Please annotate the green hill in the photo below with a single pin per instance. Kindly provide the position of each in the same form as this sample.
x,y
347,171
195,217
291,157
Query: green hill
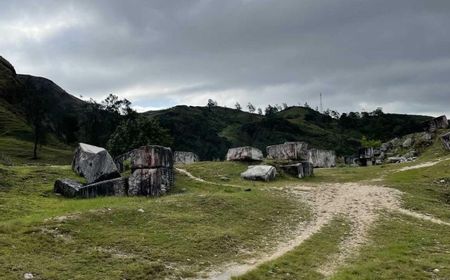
x,y
207,131
211,131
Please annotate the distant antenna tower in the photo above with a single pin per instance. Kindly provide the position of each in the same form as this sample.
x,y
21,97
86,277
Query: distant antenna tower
x,y
321,105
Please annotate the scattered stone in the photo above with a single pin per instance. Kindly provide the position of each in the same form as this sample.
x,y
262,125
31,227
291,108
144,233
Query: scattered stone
x,y
248,190
246,153
396,159
445,139
288,151
185,157
71,188
94,163
322,158
259,172
224,178
141,210
67,187
28,276
113,187
436,270
300,170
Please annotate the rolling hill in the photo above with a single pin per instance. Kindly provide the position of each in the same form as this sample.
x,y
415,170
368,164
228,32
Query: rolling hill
x,y
208,131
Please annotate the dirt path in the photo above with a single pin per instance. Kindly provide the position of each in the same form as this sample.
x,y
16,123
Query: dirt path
x,y
360,203
422,165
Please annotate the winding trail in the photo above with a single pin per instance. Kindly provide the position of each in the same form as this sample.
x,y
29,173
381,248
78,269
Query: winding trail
x,y
360,203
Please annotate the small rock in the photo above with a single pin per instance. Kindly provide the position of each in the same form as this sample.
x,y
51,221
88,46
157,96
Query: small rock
x,y
28,276
248,190
442,181
436,270
141,210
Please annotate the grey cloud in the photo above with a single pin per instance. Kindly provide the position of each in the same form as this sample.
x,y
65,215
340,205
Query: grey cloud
x,y
393,54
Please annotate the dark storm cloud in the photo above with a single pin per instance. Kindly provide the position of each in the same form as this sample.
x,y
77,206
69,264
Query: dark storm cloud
x,y
359,54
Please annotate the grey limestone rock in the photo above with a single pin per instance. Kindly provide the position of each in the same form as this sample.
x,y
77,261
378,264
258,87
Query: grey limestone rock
x,y
259,172
246,153
94,163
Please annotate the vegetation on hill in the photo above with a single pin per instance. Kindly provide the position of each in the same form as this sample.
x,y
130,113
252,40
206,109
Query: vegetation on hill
x,y
208,131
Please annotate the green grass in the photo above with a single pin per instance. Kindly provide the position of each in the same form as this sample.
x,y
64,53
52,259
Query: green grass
x,y
192,229
228,172
304,261
402,247
15,151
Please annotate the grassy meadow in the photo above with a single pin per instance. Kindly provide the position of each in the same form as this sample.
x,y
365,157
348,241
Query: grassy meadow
x,y
200,226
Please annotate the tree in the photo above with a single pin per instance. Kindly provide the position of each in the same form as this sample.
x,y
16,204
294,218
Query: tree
x,y
285,106
136,131
306,105
271,110
100,120
260,112
251,108
36,107
369,143
211,103
238,106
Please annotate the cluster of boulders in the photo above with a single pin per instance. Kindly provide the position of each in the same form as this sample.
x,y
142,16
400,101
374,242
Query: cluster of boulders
x,y
151,173
403,149
292,158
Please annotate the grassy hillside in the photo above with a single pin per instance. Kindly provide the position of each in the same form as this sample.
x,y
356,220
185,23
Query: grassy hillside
x,y
211,131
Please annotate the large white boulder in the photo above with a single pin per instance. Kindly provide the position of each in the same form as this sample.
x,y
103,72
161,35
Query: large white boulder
x,y
259,172
246,153
94,163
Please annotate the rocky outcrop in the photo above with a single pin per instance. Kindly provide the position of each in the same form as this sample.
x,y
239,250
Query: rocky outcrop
x,y
405,148
152,171
300,170
94,163
244,154
259,172
445,139
185,157
71,188
322,158
288,151
440,122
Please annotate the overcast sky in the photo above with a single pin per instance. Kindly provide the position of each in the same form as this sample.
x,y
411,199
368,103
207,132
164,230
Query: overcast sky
x,y
359,54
